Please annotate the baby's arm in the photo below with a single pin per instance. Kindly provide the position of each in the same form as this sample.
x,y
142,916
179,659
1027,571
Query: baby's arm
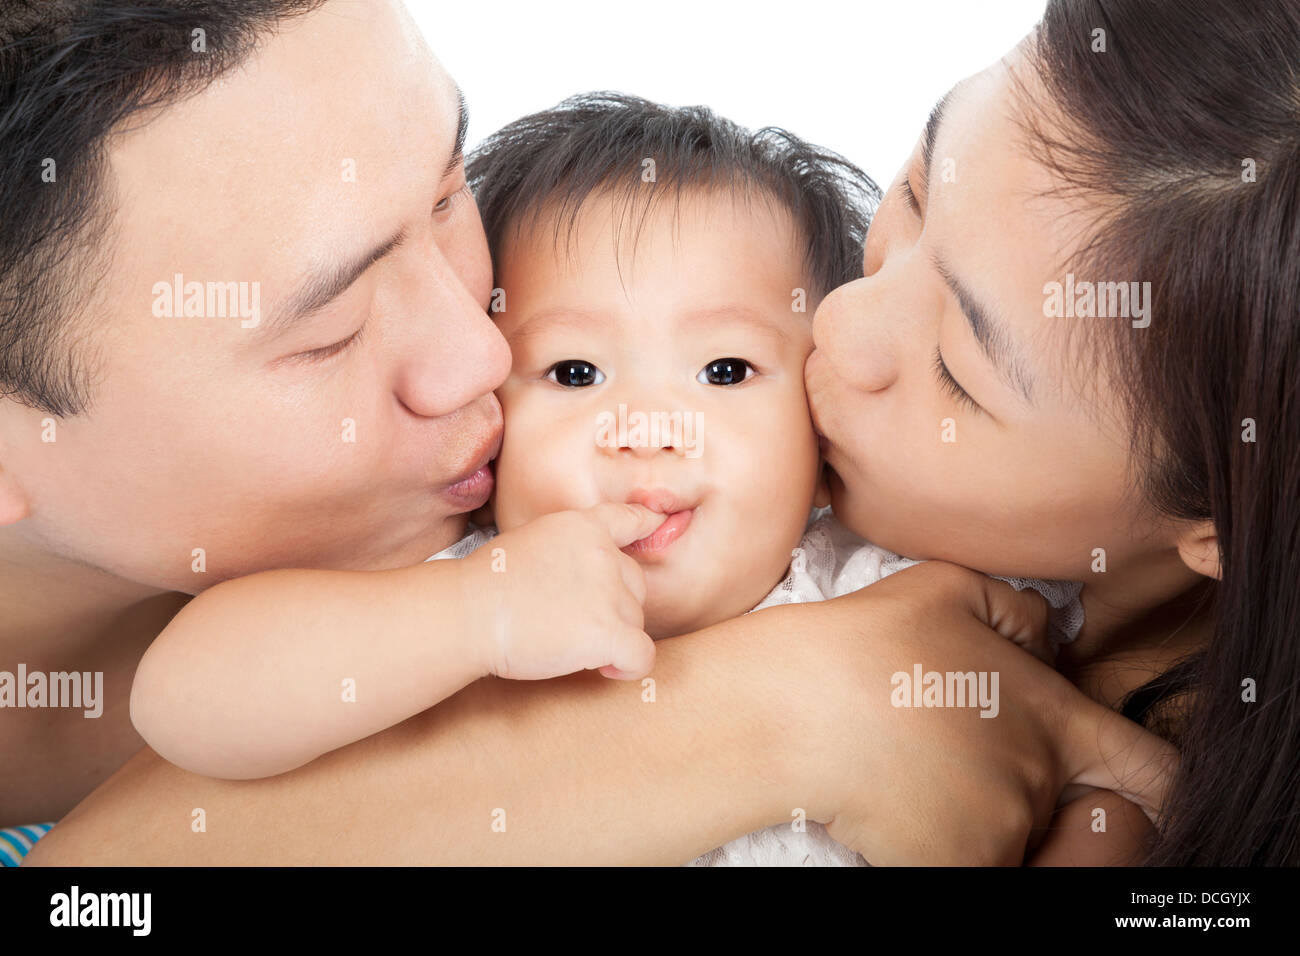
x,y
262,674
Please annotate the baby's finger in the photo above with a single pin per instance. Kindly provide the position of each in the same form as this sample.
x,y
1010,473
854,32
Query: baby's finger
x,y
626,522
633,577
632,654
630,612
1019,616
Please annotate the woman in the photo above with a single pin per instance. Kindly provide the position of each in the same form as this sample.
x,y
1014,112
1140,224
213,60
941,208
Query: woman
x,y
1141,452
1113,450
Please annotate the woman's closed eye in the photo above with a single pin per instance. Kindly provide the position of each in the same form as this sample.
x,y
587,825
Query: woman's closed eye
x,y
951,385
725,371
574,373
909,197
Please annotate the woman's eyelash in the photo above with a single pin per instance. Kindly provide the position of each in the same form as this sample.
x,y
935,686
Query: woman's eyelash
x,y
951,385
909,197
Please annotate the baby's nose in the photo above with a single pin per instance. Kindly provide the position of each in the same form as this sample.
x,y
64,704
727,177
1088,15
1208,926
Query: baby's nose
x,y
644,434
647,450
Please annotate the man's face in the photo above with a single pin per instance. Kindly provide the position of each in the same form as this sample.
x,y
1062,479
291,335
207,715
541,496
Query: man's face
x,y
332,438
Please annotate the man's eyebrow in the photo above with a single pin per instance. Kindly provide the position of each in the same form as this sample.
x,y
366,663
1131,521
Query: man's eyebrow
x,y
462,130
322,288
990,333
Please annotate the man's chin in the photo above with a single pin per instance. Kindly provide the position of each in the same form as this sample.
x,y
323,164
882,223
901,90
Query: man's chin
x,y
438,536
446,533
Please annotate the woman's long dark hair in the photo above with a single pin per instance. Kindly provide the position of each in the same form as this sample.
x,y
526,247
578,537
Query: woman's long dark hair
x,y
1187,130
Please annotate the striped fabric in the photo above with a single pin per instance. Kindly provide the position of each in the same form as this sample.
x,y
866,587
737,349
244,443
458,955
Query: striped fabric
x,y
16,841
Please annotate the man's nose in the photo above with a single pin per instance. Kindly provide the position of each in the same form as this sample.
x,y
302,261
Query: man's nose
x,y
450,351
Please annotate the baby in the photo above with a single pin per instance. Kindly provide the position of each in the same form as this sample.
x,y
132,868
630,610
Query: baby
x,y
657,270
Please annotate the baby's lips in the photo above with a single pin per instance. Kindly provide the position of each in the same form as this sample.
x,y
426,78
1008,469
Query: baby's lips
x,y
656,499
668,532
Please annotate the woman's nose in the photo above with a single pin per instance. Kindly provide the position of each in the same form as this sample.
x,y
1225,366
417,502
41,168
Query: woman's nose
x,y
856,329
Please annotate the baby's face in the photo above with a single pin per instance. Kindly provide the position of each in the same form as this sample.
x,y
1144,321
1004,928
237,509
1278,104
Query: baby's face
x,y
670,376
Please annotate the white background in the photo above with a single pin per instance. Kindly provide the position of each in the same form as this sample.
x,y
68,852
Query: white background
x,y
857,77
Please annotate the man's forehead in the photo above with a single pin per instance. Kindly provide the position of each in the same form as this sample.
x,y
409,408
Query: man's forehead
x,y
328,129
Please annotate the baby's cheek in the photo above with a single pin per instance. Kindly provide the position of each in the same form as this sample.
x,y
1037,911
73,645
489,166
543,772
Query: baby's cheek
x,y
517,483
540,471
776,487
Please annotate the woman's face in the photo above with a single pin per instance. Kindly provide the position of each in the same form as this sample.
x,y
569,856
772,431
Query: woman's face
x,y
1017,463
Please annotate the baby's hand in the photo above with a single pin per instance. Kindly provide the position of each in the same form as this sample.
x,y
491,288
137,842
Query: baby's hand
x,y
1029,631
557,595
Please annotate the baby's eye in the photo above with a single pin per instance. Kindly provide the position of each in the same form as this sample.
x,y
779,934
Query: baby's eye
x,y
726,371
575,373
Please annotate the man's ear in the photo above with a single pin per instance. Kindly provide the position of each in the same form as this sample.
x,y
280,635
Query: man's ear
x,y
1199,549
822,493
14,506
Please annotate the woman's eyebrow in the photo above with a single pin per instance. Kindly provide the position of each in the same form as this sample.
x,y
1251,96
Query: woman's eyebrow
x,y
991,334
932,133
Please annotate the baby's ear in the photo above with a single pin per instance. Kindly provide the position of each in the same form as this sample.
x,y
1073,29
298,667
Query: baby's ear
x,y
822,493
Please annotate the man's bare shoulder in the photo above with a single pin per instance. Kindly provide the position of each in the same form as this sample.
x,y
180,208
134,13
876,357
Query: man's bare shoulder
x,y
57,751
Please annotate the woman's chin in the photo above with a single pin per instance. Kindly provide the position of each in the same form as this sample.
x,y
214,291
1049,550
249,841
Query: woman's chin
x,y
837,490
844,505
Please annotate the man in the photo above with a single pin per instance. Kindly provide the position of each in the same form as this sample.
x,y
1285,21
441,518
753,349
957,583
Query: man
x,y
147,446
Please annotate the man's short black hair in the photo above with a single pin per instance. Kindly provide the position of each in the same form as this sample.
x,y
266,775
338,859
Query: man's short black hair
x,y
72,71
549,163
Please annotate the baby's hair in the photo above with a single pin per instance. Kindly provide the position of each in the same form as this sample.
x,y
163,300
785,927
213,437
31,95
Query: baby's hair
x,y
550,163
